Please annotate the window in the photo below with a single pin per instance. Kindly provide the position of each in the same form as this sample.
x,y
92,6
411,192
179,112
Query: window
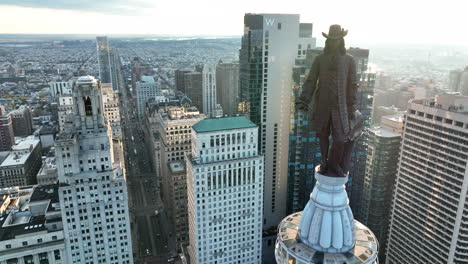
x,y
279,26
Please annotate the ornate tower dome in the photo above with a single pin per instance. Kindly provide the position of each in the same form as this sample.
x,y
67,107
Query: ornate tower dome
x,y
325,232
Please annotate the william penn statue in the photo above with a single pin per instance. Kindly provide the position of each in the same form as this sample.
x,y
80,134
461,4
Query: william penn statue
x,y
331,92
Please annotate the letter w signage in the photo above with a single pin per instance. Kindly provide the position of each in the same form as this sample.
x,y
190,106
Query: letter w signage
x,y
269,21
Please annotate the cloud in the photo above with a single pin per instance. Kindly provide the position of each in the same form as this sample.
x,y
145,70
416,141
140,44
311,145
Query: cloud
x,y
112,7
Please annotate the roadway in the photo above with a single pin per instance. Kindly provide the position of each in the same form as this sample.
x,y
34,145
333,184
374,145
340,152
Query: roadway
x,y
148,219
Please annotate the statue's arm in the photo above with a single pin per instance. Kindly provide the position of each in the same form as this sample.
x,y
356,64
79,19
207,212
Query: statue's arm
x,y
353,85
309,86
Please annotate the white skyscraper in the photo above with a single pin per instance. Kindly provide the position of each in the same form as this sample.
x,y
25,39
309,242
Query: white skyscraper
x,y
225,192
267,55
93,193
147,89
428,221
209,90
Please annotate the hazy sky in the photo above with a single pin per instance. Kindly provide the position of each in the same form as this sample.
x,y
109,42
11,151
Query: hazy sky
x,y
368,21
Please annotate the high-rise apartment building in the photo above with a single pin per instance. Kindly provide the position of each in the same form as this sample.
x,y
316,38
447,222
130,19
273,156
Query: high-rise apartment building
x,y
364,105
7,136
225,192
93,193
22,121
22,164
194,87
174,128
428,223
382,161
110,100
269,47
209,90
463,86
227,86
180,79
458,81
304,151
146,89
104,59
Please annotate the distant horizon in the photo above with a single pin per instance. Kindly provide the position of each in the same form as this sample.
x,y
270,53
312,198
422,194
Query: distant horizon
x,y
136,36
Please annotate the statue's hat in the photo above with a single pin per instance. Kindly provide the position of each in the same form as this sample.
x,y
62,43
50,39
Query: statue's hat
x,y
335,32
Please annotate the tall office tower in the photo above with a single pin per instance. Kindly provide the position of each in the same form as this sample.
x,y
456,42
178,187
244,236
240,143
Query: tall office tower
x,y
428,223
382,160
454,80
304,150
364,104
225,192
227,86
174,129
60,88
146,89
31,229
22,121
463,86
104,59
267,54
180,79
7,137
193,88
22,164
110,99
209,89
93,193
325,232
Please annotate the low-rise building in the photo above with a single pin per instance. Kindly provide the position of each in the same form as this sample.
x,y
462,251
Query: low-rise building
x,y
31,229
22,164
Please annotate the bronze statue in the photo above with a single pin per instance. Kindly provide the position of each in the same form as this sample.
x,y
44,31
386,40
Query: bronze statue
x,y
331,88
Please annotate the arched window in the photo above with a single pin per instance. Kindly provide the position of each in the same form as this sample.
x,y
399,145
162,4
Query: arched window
x,y
88,106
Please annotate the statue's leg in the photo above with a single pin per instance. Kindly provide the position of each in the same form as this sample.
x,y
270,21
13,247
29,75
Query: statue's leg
x,y
324,141
345,161
335,157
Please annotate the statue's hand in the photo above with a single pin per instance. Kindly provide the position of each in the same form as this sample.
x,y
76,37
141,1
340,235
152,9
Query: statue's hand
x,y
301,106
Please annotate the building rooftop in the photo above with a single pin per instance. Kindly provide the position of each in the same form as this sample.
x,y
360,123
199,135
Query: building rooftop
x,y
147,79
177,166
382,132
449,101
26,143
222,123
86,80
29,218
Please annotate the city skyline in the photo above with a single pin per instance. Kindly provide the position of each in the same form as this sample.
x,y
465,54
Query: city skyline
x,y
223,19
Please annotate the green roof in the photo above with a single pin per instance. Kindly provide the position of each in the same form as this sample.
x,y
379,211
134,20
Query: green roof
x,y
222,123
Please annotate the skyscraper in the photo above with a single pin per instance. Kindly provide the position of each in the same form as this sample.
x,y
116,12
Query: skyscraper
x,y
209,90
364,105
454,80
227,86
180,79
7,137
268,49
22,121
104,59
93,193
428,223
146,89
225,192
304,151
174,127
193,88
381,170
